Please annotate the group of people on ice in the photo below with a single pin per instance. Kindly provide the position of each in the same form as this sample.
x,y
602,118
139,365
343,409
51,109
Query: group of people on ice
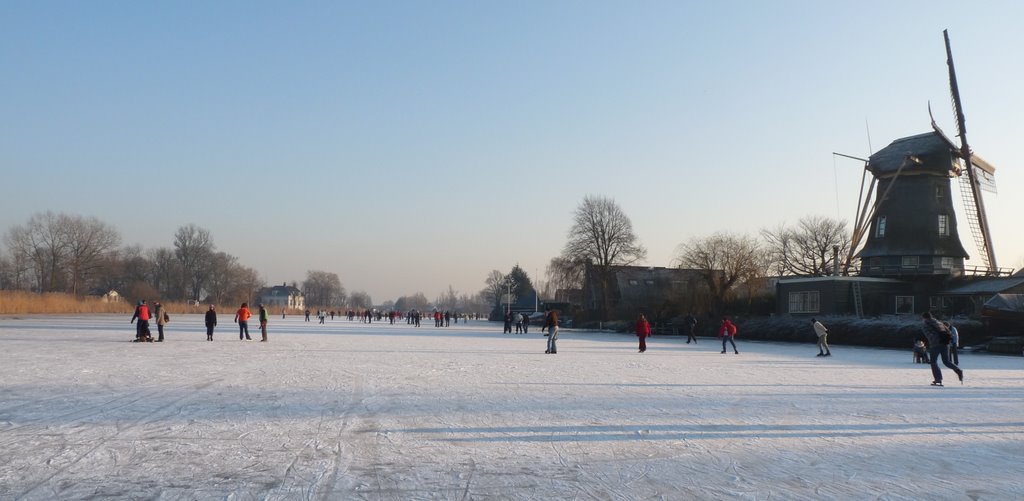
x,y
521,321
242,316
143,315
938,341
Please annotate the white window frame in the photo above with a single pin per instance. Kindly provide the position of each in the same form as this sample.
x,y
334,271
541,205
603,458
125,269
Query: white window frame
x,y
880,227
805,302
910,261
943,225
947,263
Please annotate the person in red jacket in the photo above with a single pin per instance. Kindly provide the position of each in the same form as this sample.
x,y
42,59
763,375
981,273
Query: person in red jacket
x,y
142,328
727,332
643,330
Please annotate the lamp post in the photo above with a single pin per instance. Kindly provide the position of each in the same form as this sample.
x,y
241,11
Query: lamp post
x,y
509,282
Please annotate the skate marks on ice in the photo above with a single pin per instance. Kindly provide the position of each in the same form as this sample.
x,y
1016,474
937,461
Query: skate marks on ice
x,y
469,415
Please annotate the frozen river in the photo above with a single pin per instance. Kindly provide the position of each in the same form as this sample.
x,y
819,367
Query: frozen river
x,y
354,411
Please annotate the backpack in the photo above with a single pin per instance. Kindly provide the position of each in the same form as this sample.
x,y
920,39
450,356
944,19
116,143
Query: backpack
x,y
167,318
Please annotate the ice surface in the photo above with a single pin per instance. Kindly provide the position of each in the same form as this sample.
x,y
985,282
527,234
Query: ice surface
x,y
351,411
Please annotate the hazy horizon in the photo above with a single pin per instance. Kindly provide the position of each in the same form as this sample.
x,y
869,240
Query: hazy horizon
x,y
412,146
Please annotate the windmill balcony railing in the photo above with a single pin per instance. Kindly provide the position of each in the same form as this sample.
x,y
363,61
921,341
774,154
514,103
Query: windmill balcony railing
x,y
931,269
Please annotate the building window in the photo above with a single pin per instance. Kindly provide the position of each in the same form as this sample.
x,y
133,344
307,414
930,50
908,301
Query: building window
x,y
904,304
880,227
938,193
939,304
943,225
649,282
946,263
804,302
911,261
633,282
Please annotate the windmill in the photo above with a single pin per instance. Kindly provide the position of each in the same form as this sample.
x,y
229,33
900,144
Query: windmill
x,y
910,227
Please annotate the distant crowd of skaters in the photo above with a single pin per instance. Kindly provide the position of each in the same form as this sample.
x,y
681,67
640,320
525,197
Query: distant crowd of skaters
x,y
411,317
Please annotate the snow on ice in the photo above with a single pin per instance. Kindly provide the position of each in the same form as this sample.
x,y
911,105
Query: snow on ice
x,y
354,411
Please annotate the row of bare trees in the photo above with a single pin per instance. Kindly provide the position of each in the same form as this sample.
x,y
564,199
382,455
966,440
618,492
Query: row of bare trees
x,y
56,252
601,237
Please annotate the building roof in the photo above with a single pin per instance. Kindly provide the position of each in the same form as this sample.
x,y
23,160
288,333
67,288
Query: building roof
x,y
840,278
985,286
281,290
933,151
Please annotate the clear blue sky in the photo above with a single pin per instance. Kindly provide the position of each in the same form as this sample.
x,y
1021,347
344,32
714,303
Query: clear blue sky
x,y
411,145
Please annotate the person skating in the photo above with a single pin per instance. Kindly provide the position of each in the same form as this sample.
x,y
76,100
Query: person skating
x,y
264,317
551,324
211,322
242,319
727,332
526,323
690,325
822,333
643,331
938,347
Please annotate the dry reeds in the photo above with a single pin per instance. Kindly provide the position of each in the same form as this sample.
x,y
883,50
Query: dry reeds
x,y
22,303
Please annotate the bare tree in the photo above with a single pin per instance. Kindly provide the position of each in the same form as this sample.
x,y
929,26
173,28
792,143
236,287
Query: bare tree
x,y
166,272
193,246
19,261
43,242
89,240
602,235
135,267
724,260
360,299
246,283
448,299
323,289
475,303
220,282
417,301
807,249
6,273
495,287
564,274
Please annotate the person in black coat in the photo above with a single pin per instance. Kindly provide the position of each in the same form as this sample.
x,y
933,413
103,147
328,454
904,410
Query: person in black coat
x,y
211,322
689,324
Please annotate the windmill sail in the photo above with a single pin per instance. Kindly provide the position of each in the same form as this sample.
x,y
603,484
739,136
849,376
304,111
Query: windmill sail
x,y
977,215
